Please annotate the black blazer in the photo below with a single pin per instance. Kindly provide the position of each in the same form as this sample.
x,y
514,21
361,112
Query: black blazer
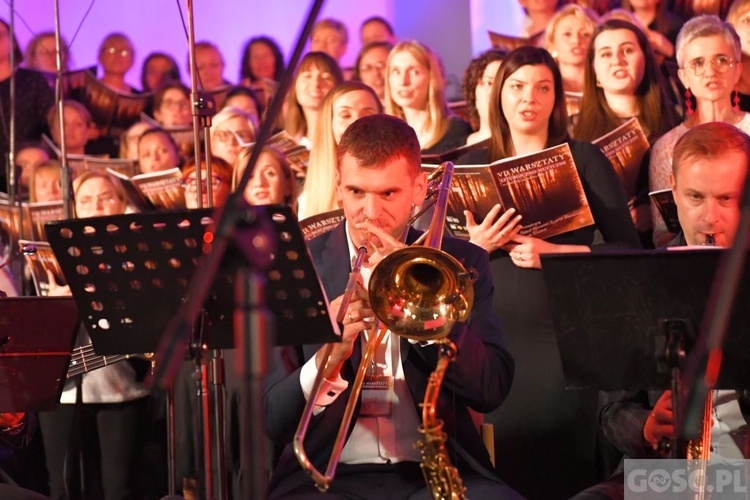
x,y
479,379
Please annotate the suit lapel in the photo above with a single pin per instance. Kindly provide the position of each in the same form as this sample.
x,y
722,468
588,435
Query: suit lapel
x,y
335,263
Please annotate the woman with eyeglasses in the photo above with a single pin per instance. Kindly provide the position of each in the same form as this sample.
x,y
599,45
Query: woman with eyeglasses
x,y
232,129
370,66
221,182
708,54
115,402
116,55
172,105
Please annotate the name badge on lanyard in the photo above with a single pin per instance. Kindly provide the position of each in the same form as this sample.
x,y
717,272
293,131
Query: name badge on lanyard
x,y
377,396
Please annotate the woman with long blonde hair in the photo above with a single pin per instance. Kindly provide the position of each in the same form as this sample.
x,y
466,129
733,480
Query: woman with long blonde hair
x,y
345,104
415,92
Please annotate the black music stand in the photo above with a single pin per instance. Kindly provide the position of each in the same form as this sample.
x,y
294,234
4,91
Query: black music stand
x,y
36,339
608,309
129,273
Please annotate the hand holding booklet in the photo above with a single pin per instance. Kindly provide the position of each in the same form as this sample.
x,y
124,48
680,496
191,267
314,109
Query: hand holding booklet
x,y
155,190
543,187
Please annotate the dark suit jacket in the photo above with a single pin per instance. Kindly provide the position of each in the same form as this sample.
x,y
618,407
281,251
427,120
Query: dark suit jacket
x,y
479,379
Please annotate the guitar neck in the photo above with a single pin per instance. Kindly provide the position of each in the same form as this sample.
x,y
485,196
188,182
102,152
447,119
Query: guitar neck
x,y
83,359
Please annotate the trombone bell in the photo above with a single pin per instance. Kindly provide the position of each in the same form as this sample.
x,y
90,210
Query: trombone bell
x,y
420,292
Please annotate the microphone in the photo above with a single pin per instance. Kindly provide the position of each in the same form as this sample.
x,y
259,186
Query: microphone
x,y
25,250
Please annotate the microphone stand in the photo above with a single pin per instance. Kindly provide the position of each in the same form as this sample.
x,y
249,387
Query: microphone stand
x,y
66,180
175,338
211,369
11,170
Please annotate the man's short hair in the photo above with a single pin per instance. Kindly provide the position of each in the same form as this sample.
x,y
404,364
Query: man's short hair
x,y
378,139
333,24
708,141
378,19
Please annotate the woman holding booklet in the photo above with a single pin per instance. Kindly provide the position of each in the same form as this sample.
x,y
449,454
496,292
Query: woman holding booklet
x,y
528,115
623,81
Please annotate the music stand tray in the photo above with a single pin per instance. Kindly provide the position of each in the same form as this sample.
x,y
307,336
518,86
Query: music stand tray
x,y
129,273
607,308
36,339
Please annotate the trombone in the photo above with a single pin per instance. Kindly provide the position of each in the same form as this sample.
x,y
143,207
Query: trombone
x,y
417,292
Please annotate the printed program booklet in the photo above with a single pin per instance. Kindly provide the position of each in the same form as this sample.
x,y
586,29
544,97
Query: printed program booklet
x,y
544,187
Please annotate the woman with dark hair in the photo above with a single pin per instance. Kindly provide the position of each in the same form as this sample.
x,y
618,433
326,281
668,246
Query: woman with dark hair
x,y
527,115
622,81
247,100
370,66
172,105
33,98
317,74
158,70
262,67
273,181
476,87
261,58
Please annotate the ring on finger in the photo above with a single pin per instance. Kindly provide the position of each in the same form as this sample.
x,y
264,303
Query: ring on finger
x,y
351,318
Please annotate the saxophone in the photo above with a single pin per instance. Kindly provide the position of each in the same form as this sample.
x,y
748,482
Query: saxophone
x,y
442,478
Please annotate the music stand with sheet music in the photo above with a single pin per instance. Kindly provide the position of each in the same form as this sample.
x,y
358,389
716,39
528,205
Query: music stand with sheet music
x,y
129,273
36,339
607,309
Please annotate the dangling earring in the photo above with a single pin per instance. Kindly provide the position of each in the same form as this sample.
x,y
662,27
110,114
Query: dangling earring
x,y
688,102
735,101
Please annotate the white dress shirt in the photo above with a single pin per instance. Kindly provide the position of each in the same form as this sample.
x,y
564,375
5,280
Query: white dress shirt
x,y
380,439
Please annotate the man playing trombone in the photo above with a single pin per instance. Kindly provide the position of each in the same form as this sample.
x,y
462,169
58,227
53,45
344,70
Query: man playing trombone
x,y
379,182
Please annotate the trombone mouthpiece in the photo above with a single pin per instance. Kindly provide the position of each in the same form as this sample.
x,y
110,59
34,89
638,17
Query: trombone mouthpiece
x,y
29,249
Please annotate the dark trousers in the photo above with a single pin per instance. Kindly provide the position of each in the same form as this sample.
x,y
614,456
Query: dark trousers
x,y
403,481
113,433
